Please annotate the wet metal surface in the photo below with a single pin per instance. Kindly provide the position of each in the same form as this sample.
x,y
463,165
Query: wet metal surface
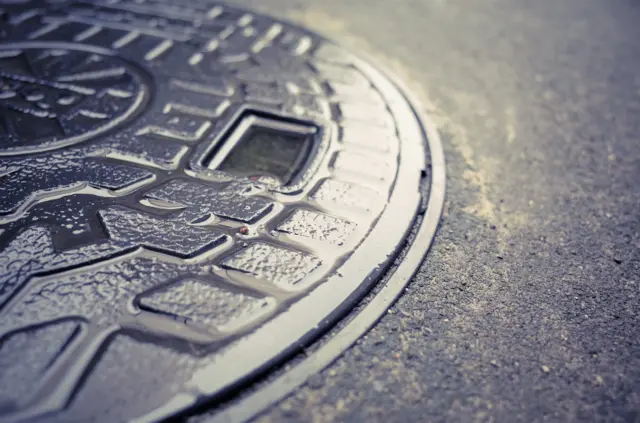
x,y
190,193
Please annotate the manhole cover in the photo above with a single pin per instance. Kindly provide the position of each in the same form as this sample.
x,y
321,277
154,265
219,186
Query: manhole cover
x,y
189,192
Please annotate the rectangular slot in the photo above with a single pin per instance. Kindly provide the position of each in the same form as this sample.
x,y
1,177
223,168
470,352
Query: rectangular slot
x,y
261,147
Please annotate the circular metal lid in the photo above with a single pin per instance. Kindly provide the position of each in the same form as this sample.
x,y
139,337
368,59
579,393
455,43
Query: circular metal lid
x,y
190,192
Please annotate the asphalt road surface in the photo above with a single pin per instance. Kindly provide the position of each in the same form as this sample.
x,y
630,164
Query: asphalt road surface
x,y
526,308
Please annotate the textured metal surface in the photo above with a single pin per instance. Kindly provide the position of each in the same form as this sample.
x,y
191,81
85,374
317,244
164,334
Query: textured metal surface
x,y
138,276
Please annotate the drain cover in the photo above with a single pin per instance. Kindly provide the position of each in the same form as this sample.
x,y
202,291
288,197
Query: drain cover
x,y
188,193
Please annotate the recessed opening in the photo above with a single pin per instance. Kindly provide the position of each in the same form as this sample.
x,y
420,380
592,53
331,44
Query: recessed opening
x,y
265,147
